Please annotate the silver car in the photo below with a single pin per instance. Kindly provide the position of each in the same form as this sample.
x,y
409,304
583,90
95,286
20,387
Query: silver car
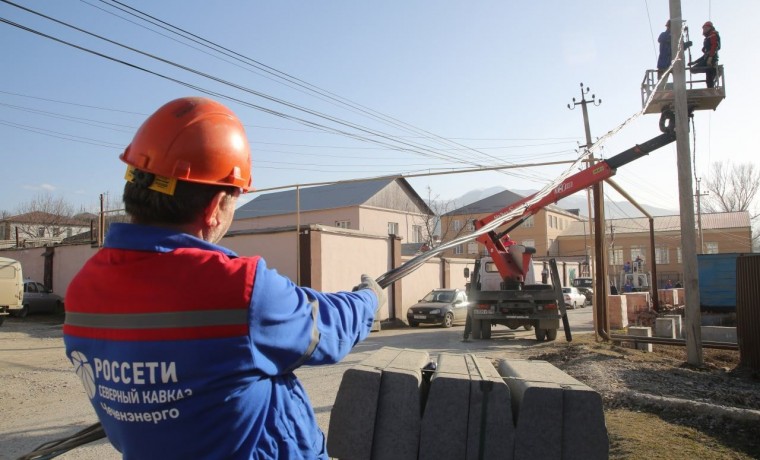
x,y
39,299
440,306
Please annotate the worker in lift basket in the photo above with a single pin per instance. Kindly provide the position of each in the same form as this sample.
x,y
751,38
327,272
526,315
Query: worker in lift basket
x,y
186,350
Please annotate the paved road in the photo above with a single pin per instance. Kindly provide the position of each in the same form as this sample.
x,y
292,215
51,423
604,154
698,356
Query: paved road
x,y
42,398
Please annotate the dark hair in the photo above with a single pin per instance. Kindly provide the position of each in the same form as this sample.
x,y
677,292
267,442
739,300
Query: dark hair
x,y
147,206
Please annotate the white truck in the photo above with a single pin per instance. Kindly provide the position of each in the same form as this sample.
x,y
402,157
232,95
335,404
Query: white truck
x,y
11,287
533,306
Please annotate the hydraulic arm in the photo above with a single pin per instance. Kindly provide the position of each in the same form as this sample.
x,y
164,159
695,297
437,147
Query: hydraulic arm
x,y
514,266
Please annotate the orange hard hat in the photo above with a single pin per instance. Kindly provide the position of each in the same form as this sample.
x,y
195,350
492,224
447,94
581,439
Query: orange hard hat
x,y
192,139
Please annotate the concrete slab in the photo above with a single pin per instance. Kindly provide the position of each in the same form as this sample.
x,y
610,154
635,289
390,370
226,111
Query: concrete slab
x,y
642,331
677,324
444,423
719,334
665,327
399,409
490,431
557,416
357,405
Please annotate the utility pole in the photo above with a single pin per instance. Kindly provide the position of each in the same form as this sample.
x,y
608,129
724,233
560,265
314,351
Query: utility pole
x,y
692,319
601,286
699,196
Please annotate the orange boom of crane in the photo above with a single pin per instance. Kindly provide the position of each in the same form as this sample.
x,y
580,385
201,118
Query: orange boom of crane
x,y
498,244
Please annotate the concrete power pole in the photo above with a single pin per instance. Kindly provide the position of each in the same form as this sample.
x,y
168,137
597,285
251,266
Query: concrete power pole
x,y
601,321
692,320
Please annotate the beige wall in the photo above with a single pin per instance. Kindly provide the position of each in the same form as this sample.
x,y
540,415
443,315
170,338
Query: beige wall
x,y
347,255
277,248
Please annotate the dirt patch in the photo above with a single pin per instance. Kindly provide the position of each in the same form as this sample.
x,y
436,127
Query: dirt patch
x,y
659,407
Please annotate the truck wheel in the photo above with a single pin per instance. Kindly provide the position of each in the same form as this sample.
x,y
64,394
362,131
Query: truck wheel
x,y
485,329
551,334
476,329
513,324
413,323
448,320
528,327
540,334
2,319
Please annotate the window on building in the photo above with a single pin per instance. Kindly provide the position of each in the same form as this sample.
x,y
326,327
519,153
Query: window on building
x,y
472,248
550,247
459,249
637,251
69,231
456,224
417,234
529,243
470,227
529,222
616,256
662,255
41,232
343,223
711,247
678,255
393,228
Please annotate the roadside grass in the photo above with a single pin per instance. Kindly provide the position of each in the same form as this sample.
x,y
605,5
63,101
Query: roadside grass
x,y
643,435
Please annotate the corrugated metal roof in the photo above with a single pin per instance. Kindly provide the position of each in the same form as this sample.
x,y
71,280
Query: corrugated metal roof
x,y
664,223
331,196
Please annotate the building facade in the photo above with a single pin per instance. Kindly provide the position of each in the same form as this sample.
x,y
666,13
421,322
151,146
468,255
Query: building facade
x,y
629,239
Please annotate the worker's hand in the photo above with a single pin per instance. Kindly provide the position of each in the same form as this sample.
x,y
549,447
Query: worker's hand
x,y
369,283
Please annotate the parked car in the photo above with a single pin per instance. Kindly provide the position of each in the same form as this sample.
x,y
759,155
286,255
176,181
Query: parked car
x,y
39,299
440,306
573,297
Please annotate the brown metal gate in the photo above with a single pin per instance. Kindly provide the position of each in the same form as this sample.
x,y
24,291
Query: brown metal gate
x,y
748,310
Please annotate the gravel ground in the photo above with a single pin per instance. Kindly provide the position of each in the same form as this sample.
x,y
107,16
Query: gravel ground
x,y
653,401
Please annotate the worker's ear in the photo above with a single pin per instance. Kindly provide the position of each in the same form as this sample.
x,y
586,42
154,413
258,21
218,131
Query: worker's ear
x,y
211,214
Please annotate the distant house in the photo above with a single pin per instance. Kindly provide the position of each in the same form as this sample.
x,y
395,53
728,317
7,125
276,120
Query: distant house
x,y
378,207
37,228
540,231
627,239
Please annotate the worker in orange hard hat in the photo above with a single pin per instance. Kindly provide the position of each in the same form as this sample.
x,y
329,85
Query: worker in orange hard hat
x,y
708,62
186,350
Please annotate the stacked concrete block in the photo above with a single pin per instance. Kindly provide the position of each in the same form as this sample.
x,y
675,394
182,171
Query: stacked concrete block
x,y
376,413
641,331
557,416
719,334
617,311
636,302
665,327
677,324
468,412
669,297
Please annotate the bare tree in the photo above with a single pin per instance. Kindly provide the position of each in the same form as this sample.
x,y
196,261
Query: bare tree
x,y
43,216
733,187
445,229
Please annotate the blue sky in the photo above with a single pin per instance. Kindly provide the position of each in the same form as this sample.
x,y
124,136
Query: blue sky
x,y
491,78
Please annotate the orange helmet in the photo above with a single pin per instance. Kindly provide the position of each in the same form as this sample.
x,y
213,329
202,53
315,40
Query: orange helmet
x,y
192,139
